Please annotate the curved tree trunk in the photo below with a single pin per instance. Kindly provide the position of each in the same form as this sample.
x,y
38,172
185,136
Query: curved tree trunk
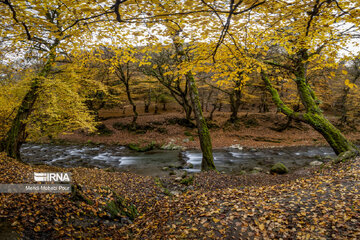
x,y
135,116
318,121
313,115
16,135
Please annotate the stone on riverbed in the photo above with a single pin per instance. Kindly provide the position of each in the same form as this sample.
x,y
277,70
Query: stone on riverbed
x,y
259,169
178,179
236,146
172,146
316,163
279,168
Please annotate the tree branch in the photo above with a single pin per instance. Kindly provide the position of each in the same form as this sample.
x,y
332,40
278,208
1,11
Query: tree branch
x,y
282,107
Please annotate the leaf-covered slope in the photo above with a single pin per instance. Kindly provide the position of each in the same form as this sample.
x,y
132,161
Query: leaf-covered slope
x,y
323,204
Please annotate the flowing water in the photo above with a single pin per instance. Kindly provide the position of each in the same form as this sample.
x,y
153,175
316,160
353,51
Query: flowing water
x,y
119,158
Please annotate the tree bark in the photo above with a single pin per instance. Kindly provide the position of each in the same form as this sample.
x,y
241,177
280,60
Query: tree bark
x,y
212,111
235,102
207,162
128,93
147,101
313,115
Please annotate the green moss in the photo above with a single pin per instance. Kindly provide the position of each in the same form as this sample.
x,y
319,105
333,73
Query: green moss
x,y
282,107
332,135
137,148
207,162
187,181
119,207
77,195
345,156
279,168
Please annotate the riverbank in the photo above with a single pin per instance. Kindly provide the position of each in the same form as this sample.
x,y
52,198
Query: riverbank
x,y
317,203
253,130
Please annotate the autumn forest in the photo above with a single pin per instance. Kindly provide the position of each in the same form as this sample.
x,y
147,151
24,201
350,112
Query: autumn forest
x,y
233,119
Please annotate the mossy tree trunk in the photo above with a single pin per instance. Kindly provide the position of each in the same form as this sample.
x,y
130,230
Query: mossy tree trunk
x,y
313,114
207,162
16,135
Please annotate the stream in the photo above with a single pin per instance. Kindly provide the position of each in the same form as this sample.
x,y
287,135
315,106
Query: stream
x,y
119,158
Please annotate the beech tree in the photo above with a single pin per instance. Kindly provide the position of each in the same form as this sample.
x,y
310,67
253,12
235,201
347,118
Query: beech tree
x,y
310,33
163,67
46,29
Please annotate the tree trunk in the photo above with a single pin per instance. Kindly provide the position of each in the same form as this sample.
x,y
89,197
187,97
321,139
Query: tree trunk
x,y
318,121
132,104
207,162
208,100
235,102
16,135
332,135
220,106
187,108
263,107
313,115
212,111
156,108
147,101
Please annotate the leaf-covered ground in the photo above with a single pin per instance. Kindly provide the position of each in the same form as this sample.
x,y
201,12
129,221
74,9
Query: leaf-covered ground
x,y
323,203
253,130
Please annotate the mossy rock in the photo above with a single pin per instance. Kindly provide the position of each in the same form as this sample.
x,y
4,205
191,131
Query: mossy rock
x,y
119,207
345,156
279,168
137,148
77,194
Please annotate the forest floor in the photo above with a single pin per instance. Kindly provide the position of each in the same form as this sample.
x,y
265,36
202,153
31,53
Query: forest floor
x,y
320,203
254,130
